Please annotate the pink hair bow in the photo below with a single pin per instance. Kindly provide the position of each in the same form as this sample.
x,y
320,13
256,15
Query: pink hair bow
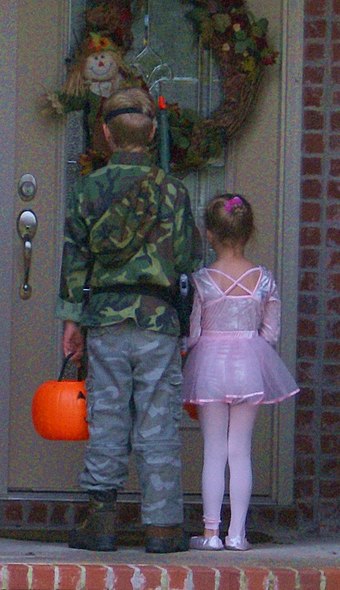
x,y
234,202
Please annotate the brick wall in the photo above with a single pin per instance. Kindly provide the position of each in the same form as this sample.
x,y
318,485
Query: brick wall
x,y
317,483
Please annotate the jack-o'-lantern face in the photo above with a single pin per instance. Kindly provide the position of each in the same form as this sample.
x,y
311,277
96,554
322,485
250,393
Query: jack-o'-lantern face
x,y
101,66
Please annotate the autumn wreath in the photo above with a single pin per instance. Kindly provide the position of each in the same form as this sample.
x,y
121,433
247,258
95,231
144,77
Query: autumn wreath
x,y
238,42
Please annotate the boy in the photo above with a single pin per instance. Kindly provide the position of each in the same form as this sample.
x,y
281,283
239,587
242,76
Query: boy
x,y
129,233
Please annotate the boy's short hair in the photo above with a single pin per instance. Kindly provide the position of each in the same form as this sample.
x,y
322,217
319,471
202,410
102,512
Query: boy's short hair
x,y
132,129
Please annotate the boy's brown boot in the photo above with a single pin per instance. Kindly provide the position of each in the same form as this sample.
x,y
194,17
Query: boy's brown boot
x,y
97,532
165,539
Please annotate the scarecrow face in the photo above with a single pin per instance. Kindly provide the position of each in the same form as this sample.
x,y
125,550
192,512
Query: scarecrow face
x,y
100,66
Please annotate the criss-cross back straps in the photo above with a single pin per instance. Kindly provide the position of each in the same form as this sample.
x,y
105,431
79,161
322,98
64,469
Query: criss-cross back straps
x,y
236,282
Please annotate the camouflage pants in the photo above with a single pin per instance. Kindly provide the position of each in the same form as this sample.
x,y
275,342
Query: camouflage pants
x,y
134,402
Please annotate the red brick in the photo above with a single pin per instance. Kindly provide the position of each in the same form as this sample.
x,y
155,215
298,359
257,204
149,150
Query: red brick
x,y
333,259
14,512
203,578
313,8
315,29
331,375
315,74
59,514
310,236
306,510
336,30
178,576
309,258
309,281
314,52
336,52
287,517
333,282
332,326
307,327
312,96
310,212
97,577
335,167
311,188
311,166
304,488
330,489
334,189
304,443
151,574
229,578
333,237
313,143
329,523
334,142
335,121
304,466
336,6
333,306
17,576
335,74
69,576
306,397
306,349
309,579
313,120
38,513
330,398
284,579
330,422
43,577
330,444
308,304
333,212
123,576
307,372
330,467
332,351
256,578
304,420
336,98
332,574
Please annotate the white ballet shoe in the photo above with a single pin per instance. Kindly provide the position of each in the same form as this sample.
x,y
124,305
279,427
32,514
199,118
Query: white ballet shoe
x,y
236,544
206,543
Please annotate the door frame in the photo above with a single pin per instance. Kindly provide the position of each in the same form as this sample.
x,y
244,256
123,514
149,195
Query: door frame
x,y
289,203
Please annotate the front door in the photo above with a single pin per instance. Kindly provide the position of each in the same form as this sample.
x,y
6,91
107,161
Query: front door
x,y
35,46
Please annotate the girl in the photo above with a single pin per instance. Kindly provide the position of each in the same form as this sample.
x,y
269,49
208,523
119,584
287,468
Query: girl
x,y
231,367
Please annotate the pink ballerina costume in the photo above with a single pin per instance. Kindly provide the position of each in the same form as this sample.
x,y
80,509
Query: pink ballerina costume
x,y
231,356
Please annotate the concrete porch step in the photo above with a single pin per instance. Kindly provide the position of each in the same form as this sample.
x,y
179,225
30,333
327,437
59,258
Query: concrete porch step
x,y
92,576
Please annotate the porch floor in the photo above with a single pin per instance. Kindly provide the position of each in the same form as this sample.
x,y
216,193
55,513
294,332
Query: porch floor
x,y
295,564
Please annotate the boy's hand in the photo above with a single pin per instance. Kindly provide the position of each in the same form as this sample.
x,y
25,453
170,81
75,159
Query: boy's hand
x,y
73,341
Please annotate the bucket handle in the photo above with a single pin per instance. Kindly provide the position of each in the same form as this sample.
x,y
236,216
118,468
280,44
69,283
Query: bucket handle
x,y
64,365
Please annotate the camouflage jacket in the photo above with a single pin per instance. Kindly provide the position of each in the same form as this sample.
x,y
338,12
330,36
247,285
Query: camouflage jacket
x,y
126,223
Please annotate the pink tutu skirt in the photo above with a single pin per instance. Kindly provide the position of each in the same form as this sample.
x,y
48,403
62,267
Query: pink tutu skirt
x,y
233,367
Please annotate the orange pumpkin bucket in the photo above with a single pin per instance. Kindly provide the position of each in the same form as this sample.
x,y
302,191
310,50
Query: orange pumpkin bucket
x,y
59,409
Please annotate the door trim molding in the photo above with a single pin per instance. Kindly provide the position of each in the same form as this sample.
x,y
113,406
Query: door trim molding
x,y
289,223
8,51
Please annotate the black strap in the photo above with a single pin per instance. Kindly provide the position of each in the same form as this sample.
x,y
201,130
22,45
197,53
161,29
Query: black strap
x,y
123,111
137,289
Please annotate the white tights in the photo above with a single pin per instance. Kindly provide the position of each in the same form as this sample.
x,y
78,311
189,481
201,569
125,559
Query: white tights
x,y
227,433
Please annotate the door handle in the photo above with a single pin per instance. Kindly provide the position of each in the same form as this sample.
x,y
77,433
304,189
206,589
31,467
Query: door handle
x,y
27,226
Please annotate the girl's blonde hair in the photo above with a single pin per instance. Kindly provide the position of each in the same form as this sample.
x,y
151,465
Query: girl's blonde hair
x,y
229,217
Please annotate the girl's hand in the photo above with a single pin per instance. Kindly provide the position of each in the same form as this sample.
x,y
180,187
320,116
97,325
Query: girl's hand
x,y
73,342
